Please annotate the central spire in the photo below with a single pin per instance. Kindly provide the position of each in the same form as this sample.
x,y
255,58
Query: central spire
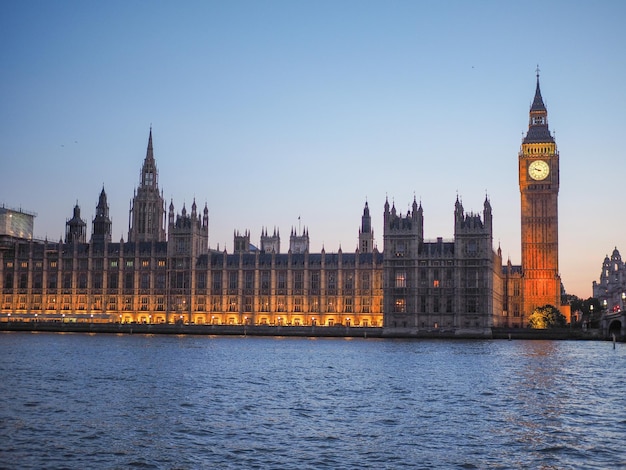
x,y
149,152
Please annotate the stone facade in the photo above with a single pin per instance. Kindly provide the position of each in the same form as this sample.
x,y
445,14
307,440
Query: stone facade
x,y
160,276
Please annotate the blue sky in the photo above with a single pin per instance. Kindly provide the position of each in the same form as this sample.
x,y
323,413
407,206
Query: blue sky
x,y
270,111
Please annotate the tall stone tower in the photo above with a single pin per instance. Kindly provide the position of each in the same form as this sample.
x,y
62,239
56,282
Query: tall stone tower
x,y
101,227
299,244
539,190
270,243
147,213
366,234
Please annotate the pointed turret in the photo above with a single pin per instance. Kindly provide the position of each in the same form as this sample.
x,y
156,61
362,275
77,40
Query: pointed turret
x,y
75,228
366,234
101,226
538,120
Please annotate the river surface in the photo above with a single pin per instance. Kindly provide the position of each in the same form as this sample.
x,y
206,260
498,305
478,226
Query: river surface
x,y
188,402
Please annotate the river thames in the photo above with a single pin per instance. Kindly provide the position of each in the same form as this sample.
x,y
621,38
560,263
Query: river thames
x,y
188,402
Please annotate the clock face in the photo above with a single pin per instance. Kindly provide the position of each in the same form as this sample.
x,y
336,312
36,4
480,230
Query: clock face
x,y
538,170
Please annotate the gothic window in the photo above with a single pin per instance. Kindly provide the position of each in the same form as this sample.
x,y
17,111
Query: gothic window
x,y
298,282
265,282
348,281
399,305
23,280
365,305
315,282
400,279
297,306
201,281
347,307
128,280
249,280
145,281
232,280
217,283
365,281
331,282
282,280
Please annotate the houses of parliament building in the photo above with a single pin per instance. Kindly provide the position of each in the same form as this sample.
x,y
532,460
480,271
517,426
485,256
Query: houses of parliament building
x,y
165,272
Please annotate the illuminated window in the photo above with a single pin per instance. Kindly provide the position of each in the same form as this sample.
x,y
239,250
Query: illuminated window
x,y
401,279
399,305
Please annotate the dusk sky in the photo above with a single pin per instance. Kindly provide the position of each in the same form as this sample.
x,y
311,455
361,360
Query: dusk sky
x,y
273,111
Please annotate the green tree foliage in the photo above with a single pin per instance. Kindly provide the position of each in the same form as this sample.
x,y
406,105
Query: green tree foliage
x,y
547,316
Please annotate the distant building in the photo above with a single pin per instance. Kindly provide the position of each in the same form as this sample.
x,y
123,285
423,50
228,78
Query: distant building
x,y
611,290
16,223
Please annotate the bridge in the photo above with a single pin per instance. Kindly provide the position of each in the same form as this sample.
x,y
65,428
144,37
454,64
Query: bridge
x,y
614,323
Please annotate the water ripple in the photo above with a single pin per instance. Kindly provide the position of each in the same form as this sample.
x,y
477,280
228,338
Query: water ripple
x,y
85,401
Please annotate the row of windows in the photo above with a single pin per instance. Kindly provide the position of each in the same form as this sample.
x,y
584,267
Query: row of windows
x,y
437,305
218,304
470,278
83,264
179,280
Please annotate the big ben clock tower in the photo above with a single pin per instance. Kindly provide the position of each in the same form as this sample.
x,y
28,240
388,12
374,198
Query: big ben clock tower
x,y
539,189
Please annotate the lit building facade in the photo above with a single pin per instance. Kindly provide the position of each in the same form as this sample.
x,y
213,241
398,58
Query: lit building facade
x,y
149,279
166,273
611,290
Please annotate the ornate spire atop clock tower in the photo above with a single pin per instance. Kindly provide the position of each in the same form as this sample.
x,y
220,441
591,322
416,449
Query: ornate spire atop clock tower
x,y
538,119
